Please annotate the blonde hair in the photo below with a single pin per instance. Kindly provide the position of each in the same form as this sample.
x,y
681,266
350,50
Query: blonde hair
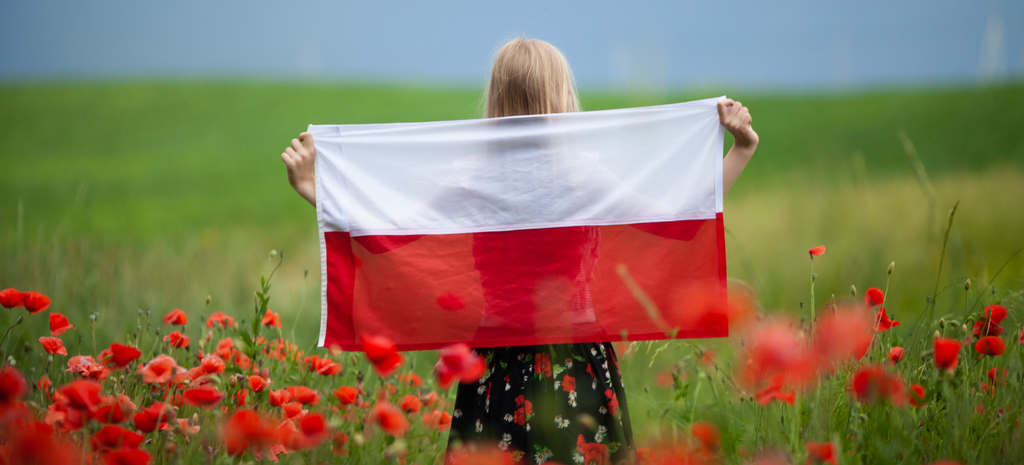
x,y
530,77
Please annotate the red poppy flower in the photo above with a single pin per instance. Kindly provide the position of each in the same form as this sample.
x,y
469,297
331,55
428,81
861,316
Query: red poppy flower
x,y
996,313
86,367
817,251
258,383
916,395
389,418
776,348
1021,340
162,369
114,409
35,302
990,345
12,385
114,437
947,353
410,378
176,339
983,327
205,397
271,319
381,352
411,404
882,321
450,302
279,397
212,364
293,410
325,367
153,417
438,419
248,430
707,434
53,345
240,397
873,296
346,395
34,442
81,394
59,324
568,383
121,355
304,395
219,318
126,457
821,452
774,392
896,354
12,298
310,432
175,317
429,399
873,384
460,362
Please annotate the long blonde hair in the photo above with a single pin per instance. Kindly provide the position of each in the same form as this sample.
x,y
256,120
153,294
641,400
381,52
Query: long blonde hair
x,y
530,77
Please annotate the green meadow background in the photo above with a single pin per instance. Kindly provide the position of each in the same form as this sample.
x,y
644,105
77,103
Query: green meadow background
x,y
122,196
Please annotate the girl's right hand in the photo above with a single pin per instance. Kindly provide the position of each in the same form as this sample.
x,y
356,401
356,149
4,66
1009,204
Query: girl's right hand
x,y
300,160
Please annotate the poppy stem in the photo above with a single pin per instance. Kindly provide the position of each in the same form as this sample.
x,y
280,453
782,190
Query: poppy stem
x,y
813,276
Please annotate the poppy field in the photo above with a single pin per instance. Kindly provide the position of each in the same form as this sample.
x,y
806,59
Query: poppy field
x,y
143,323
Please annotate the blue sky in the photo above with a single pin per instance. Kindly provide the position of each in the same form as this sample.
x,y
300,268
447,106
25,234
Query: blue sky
x,y
647,44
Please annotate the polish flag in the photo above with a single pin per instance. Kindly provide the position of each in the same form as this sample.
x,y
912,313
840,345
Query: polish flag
x,y
571,227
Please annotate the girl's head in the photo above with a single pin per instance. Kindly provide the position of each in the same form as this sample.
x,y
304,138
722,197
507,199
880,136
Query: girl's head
x,y
530,77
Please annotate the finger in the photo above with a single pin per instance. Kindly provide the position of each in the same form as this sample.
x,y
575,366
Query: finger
x,y
307,139
297,146
736,107
287,159
293,155
723,106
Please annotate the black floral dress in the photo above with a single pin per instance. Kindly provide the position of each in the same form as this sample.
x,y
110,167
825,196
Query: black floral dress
x,y
548,403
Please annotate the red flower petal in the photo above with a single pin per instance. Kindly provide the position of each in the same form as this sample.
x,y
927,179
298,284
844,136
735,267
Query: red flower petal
x,y
175,317
35,302
817,251
990,345
12,298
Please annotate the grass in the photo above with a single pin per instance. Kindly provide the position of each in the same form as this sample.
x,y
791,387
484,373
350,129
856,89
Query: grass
x,y
122,196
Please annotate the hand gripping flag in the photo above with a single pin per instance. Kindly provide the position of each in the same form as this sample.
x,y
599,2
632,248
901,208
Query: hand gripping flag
x,y
571,227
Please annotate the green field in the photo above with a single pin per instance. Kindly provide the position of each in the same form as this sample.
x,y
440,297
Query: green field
x,y
119,196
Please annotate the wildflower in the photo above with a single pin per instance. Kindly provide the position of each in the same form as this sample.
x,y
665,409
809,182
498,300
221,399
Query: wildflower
x,y
240,397
994,375
121,355
186,428
154,416
126,457
821,452
381,352
59,324
438,419
882,321
1021,340
86,367
12,298
817,251
279,397
896,354
311,431
81,395
775,348
293,410
258,383
53,345
947,353
916,395
114,437
35,302
460,362
12,386
176,339
212,364
175,317
205,397
873,296
841,336
985,327
219,318
990,345
389,418
322,366
34,442
411,404
429,399
338,443
114,409
304,395
346,395
873,384
996,313
708,435
774,392
271,319
162,369
245,430
411,379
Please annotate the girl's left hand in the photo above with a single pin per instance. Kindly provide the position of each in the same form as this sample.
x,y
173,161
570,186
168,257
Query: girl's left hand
x,y
736,118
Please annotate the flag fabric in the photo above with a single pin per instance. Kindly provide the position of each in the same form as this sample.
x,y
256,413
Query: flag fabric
x,y
571,227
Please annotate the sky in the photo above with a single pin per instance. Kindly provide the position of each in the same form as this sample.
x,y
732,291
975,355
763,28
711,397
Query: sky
x,y
636,44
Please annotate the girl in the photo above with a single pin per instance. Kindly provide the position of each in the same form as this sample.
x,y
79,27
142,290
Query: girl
x,y
563,402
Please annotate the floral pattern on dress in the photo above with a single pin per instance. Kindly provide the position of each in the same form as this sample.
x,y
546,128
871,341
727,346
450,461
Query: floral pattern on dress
x,y
541,415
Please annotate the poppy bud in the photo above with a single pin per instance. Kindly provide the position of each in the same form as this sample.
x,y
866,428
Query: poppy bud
x,y
891,266
234,382
395,450
358,439
814,276
273,254
942,323
140,311
208,299
92,317
963,328
937,335
305,273
853,290
967,285
281,254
